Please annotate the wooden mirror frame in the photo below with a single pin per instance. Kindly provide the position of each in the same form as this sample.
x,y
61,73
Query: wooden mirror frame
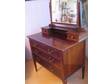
x,y
56,24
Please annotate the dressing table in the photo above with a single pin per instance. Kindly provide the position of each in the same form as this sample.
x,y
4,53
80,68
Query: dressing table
x,y
60,47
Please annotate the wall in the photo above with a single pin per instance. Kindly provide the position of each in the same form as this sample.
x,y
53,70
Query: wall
x,y
36,16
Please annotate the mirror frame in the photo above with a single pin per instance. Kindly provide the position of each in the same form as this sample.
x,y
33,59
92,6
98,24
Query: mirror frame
x,y
58,24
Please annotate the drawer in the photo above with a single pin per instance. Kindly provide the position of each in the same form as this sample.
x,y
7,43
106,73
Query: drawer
x,y
47,49
53,61
50,67
72,36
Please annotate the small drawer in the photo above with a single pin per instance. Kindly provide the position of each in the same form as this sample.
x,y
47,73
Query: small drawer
x,y
72,36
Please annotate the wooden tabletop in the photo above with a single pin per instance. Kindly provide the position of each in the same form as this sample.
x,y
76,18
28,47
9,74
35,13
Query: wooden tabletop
x,y
57,43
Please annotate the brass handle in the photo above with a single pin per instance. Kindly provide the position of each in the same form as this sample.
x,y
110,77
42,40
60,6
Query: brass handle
x,y
34,45
71,36
50,51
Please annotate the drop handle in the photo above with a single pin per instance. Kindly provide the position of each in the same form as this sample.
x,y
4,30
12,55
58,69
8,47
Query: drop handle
x,y
50,51
51,60
34,45
71,36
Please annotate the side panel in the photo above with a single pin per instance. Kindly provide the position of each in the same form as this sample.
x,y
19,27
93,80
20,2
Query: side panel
x,y
74,58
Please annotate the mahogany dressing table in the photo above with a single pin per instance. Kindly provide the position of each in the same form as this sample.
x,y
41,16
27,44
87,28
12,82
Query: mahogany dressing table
x,y
61,50
59,56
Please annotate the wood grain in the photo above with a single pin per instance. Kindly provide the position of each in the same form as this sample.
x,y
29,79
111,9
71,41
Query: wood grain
x,y
61,57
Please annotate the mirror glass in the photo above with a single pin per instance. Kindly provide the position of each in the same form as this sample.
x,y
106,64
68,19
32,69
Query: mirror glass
x,y
64,11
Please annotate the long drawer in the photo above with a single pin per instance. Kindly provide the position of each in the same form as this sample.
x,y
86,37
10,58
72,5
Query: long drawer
x,y
51,60
49,66
46,49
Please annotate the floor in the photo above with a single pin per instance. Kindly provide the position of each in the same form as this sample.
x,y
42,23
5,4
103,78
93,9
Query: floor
x,y
43,76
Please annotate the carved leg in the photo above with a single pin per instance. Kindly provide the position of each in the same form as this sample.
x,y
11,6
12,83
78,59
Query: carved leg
x,y
65,81
83,70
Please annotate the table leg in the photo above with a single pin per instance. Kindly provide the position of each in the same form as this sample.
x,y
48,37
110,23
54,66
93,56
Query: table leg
x,y
83,71
65,81
35,64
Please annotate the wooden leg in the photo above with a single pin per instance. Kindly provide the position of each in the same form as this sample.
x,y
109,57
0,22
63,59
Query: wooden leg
x,y
83,70
65,81
35,64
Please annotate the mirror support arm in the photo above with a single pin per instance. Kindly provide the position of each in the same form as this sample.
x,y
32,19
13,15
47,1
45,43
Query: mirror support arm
x,y
50,9
78,11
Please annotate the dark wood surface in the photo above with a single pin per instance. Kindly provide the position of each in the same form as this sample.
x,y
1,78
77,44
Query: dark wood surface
x,y
59,56
57,43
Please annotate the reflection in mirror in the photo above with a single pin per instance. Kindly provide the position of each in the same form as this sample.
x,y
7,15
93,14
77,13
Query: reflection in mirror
x,y
64,11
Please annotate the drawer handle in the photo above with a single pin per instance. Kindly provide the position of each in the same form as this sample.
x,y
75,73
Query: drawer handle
x,y
34,45
50,51
51,60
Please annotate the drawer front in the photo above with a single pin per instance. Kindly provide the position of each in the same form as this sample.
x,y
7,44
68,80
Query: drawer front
x,y
47,49
72,36
53,61
48,66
